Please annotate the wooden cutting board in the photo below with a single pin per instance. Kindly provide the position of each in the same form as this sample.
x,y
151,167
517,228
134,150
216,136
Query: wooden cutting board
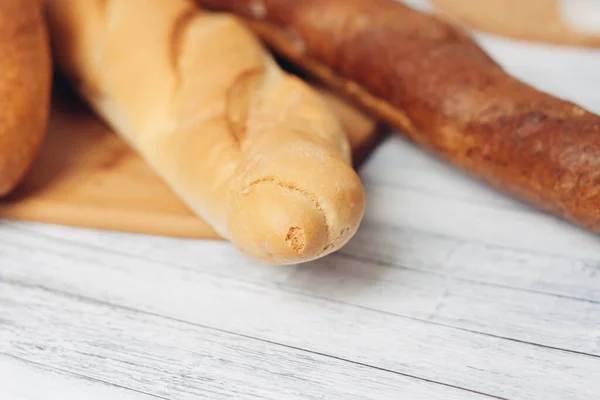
x,y
86,176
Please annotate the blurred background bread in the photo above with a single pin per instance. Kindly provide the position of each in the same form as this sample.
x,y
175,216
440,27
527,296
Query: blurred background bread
x,y
561,22
25,82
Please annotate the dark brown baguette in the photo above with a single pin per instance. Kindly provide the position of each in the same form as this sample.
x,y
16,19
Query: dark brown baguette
x,y
434,83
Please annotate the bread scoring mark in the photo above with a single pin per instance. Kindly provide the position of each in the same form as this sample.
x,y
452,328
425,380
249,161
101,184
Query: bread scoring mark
x,y
343,233
310,196
176,40
238,101
296,239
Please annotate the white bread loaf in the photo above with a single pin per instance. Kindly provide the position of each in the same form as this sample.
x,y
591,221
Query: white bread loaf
x,y
251,149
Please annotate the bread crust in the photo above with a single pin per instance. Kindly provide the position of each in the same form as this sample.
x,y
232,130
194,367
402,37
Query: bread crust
x,y
430,80
25,85
252,150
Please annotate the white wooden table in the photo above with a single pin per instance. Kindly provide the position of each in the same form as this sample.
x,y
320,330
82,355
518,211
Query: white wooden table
x,y
449,291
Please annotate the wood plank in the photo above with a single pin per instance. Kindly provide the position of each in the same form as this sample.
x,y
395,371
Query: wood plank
x,y
407,167
173,359
526,270
438,293
403,345
405,208
24,380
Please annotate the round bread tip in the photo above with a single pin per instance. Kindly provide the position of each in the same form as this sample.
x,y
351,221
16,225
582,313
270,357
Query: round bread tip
x,y
278,224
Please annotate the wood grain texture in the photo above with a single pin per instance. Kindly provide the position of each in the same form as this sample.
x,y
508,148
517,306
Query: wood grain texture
x,y
477,314
42,380
173,359
338,310
443,287
87,176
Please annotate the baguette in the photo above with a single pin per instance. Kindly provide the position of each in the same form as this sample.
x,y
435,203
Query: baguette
x,y
252,150
25,85
433,82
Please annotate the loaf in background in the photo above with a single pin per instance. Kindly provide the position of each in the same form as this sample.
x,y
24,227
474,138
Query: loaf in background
x,y
25,88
